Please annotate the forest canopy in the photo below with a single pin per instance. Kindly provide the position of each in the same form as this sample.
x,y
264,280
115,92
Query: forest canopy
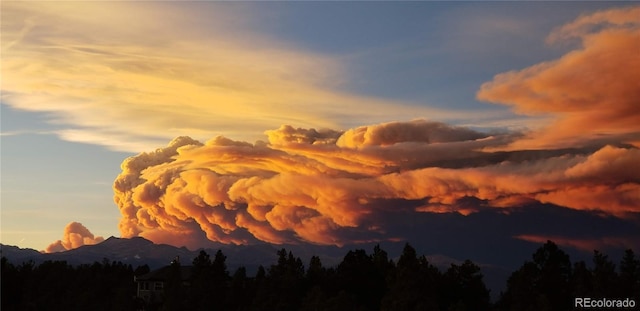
x,y
361,281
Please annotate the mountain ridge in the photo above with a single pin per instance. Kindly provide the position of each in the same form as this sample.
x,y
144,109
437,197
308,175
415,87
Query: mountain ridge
x,y
134,251
138,251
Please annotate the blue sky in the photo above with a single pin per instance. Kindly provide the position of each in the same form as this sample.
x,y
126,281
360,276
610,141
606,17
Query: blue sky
x,y
86,85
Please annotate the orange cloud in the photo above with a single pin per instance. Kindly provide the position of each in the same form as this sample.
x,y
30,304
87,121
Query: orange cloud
x,y
89,64
546,181
333,187
298,188
401,132
74,236
591,92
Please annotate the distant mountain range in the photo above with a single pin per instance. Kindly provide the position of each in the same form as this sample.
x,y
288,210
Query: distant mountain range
x,y
139,251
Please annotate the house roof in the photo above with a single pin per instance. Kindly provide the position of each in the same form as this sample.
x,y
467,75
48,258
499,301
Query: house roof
x,y
164,274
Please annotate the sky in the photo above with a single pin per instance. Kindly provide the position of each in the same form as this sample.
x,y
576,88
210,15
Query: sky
x,y
466,128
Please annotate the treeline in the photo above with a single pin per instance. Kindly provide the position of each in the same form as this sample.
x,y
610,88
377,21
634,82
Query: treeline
x,y
361,281
56,285
551,282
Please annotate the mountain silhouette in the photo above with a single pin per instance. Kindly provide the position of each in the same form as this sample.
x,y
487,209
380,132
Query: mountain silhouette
x,y
138,251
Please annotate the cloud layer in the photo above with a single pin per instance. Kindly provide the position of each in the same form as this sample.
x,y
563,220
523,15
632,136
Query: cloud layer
x,y
74,236
312,181
337,187
162,75
592,92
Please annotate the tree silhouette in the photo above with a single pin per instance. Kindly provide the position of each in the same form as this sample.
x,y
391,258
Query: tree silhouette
x,y
202,286
241,291
282,288
315,273
11,294
604,276
629,279
542,284
413,285
381,261
521,292
220,281
360,278
581,281
464,287
174,291
555,268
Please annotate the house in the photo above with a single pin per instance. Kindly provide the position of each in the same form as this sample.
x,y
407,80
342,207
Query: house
x,y
151,286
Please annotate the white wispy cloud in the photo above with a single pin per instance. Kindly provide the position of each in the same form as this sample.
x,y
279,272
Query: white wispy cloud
x,y
128,75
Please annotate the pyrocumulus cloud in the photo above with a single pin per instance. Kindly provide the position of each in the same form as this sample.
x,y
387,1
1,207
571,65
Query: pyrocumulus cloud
x,y
331,187
74,236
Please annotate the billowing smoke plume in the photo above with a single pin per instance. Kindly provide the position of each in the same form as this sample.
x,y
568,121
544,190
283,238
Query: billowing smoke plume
x,y
337,187
327,187
75,235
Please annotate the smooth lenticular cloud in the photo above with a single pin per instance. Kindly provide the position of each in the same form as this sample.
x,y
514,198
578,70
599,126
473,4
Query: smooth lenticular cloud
x,y
591,92
332,187
129,75
74,236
